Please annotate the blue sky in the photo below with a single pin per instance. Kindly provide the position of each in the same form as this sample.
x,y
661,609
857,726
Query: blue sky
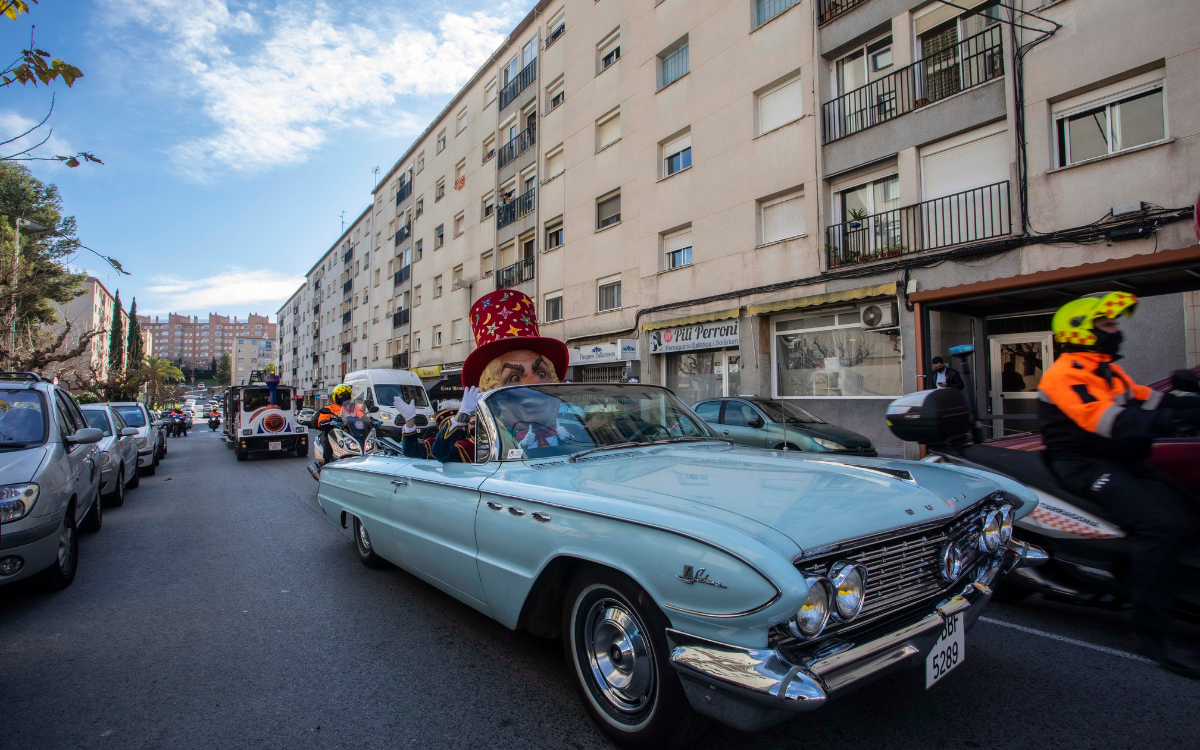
x,y
234,134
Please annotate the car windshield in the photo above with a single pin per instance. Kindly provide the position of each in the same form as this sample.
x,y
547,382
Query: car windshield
x,y
99,420
133,415
386,393
556,420
257,398
782,411
22,418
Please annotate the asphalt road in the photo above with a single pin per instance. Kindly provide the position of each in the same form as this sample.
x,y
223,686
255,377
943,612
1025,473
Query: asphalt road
x,y
220,608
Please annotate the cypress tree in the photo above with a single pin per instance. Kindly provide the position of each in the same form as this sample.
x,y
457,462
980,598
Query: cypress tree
x,y
134,343
116,341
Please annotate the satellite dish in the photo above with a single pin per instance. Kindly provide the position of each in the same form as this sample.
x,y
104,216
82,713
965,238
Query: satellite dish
x,y
872,315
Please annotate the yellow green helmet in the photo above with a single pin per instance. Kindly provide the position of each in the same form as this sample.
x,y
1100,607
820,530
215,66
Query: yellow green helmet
x,y
1072,323
341,390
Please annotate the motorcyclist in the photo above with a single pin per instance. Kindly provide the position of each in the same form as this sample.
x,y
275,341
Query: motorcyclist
x,y
341,407
176,421
1098,427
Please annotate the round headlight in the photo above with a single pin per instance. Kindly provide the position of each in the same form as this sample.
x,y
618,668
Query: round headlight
x,y
850,589
1006,523
949,561
989,540
811,619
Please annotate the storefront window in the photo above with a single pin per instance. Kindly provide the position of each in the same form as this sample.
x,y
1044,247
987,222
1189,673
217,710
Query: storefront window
x,y
695,376
832,355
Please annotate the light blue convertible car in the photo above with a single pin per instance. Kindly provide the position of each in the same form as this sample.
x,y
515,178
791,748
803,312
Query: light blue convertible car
x,y
689,578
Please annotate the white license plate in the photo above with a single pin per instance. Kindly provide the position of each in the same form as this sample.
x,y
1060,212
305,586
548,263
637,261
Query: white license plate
x,y
949,651
275,446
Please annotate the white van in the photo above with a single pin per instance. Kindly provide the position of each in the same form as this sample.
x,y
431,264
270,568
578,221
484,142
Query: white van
x,y
381,387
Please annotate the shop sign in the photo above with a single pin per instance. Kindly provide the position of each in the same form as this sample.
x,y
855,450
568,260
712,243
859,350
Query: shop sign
x,y
719,334
432,371
623,350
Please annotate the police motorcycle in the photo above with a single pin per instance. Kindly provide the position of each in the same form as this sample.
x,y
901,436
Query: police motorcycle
x,y
1083,549
177,424
354,432
214,422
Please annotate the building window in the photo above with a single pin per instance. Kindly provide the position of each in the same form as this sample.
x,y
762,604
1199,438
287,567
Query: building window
x,y
441,141
554,163
439,236
768,9
417,294
555,93
608,130
608,294
489,205
674,63
487,265
420,208
609,51
456,331
608,211
439,190
554,233
460,174
457,274
780,105
420,162
437,336
833,355
783,218
460,123
678,249
418,248
459,222
1114,126
489,92
489,148
557,25
677,155
554,308
865,65
437,286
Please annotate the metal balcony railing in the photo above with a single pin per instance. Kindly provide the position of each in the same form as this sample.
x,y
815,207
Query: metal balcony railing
x,y
971,62
316,359
517,273
401,276
347,286
317,309
520,206
400,318
404,233
346,317
348,255
316,285
520,143
400,361
553,36
345,348
968,216
828,10
518,84
404,191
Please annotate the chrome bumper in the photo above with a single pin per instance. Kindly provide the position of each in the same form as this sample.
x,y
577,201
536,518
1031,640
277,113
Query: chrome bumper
x,y
752,689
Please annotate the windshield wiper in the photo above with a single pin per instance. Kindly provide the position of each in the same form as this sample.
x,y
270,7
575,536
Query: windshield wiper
x,y
17,444
682,439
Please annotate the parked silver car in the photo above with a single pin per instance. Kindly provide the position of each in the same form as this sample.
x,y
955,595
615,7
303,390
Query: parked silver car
x,y
49,480
118,453
151,440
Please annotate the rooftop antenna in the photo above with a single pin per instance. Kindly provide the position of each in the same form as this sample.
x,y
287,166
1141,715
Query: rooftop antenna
x,y
343,223
375,172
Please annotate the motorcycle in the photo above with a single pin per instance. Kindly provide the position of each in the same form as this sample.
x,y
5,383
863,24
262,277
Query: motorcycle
x,y
176,425
348,435
214,422
1087,563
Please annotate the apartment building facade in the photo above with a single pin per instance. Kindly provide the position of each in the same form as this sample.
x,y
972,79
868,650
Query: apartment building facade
x,y
804,200
195,342
93,310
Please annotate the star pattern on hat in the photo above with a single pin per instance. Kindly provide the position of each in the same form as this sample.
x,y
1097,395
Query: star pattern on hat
x,y
513,331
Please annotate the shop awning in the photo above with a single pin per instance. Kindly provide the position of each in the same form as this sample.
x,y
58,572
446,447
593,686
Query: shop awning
x,y
688,320
827,298
1167,272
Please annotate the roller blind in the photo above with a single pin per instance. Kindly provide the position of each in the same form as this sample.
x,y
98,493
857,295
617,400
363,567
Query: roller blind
x,y
940,15
677,241
783,219
677,145
780,106
610,130
554,164
970,165
610,45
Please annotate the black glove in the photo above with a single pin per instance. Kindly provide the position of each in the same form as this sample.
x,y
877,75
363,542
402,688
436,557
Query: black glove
x,y
1185,380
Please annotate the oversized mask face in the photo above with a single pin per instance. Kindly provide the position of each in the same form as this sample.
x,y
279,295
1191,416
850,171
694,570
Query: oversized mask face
x,y
523,367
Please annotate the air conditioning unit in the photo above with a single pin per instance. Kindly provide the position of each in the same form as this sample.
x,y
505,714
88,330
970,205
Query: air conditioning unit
x,y
879,315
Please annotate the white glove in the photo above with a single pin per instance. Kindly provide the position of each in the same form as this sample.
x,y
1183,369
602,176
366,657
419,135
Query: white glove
x,y
529,441
470,399
406,413
562,432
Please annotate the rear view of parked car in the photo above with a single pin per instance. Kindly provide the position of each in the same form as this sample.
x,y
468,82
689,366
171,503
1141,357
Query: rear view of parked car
x,y
49,480
778,424
150,440
118,453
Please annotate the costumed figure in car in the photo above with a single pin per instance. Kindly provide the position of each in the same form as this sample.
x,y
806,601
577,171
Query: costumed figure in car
x,y
509,351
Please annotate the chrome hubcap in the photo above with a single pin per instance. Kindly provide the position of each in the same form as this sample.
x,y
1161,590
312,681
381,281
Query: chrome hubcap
x,y
618,651
363,539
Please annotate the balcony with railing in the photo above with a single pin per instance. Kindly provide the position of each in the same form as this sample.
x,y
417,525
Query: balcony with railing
x,y
518,84
402,275
969,216
400,361
345,348
404,233
553,36
522,205
317,309
346,316
404,191
316,359
969,63
827,10
348,255
316,285
518,273
520,143
400,318
317,335
347,286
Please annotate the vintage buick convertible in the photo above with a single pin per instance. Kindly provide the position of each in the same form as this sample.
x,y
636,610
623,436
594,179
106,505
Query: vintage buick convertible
x,y
686,576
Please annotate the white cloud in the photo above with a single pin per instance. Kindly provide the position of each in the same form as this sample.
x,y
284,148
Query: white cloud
x,y
276,82
234,289
13,124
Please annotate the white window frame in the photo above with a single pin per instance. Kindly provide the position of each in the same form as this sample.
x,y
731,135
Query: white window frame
x,y
666,254
1106,97
672,147
605,48
555,224
556,87
601,122
605,282
765,204
489,92
796,79
561,311
558,152
602,199
680,46
441,141
460,122
836,326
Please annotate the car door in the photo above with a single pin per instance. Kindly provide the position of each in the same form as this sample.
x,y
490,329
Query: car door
x,y
738,423
434,521
710,412
126,447
82,464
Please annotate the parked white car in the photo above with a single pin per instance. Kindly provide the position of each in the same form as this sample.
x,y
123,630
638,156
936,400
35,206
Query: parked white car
x,y
118,453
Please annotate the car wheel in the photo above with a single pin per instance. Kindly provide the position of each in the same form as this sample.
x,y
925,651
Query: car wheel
x,y
616,644
62,571
136,481
94,518
362,543
148,470
116,498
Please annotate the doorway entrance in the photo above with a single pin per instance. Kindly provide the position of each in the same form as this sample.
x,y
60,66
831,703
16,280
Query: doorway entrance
x,y
1017,362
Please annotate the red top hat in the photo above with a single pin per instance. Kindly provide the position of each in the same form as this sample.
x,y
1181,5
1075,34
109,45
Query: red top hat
x,y
505,321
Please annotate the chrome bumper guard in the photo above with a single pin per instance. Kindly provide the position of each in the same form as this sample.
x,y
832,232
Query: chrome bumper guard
x,y
752,689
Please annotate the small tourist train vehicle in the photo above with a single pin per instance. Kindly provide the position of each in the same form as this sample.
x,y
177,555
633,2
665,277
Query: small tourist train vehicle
x,y
260,418
688,577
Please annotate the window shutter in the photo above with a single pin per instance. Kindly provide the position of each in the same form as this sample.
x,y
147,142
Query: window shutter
x,y
674,65
941,14
554,164
610,130
677,145
970,165
610,46
610,208
677,241
783,219
780,106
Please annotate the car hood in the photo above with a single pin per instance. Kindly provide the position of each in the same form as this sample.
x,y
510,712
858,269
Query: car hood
x,y
18,467
837,434
813,499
